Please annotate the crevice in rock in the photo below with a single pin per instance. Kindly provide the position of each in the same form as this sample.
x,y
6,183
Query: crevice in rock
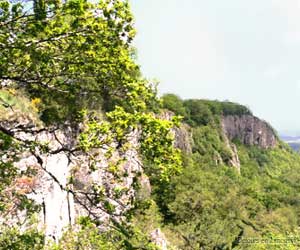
x,y
40,162
44,210
69,208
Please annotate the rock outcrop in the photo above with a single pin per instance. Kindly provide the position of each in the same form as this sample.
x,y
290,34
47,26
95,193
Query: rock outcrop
x,y
183,137
158,237
234,160
249,130
67,182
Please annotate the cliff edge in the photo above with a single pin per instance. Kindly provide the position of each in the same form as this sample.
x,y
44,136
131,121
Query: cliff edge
x,y
249,130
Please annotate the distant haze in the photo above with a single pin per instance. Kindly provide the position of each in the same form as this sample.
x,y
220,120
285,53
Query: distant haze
x,y
242,51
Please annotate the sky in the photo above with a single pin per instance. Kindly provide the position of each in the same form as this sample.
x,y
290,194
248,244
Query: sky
x,y
243,51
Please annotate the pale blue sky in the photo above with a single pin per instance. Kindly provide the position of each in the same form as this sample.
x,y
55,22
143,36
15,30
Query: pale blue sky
x,y
243,51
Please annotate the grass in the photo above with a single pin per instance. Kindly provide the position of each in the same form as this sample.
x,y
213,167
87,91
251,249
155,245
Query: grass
x,y
16,107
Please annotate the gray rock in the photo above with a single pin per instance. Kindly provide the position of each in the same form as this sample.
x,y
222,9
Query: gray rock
x,y
249,130
183,138
158,237
61,200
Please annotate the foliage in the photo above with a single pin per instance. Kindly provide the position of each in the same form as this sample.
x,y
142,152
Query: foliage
x,y
87,236
211,206
155,142
199,113
13,239
202,112
74,62
173,103
76,54
210,145
14,106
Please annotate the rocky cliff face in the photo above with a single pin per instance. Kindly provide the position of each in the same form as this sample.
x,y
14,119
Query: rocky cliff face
x,y
182,135
249,130
234,160
68,183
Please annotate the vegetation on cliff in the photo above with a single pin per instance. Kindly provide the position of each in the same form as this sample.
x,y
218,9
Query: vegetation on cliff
x,y
213,206
72,63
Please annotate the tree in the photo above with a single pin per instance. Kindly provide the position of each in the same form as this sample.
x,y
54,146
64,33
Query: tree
x,y
198,112
174,103
76,57
72,49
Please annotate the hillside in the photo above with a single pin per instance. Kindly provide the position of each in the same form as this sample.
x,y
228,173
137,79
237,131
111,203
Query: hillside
x,y
91,158
238,182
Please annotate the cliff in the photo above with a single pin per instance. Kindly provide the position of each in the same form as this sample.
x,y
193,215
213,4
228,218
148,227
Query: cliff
x,y
57,183
238,181
65,180
87,163
249,130
245,129
66,183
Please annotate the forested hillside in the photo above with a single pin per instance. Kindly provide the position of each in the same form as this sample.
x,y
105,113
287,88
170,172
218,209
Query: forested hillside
x,y
210,205
91,158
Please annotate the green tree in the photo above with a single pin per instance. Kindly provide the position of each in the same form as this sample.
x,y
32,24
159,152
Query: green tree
x,y
72,54
76,57
174,103
198,112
